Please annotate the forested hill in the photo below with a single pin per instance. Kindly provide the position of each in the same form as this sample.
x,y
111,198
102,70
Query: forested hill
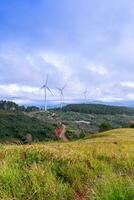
x,y
99,109
11,106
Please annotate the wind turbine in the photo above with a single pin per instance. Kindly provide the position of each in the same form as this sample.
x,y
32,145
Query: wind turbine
x,y
61,91
45,87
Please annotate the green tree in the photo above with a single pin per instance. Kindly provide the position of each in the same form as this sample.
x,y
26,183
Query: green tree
x,y
104,126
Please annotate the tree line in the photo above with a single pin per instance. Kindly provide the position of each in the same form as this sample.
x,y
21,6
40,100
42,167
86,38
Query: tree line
x,y
99,109
11,106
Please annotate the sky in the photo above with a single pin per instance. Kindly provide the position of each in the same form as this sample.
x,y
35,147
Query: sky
x,y
87,45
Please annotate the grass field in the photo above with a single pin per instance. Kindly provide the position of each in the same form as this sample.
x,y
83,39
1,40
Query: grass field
x,y
100,167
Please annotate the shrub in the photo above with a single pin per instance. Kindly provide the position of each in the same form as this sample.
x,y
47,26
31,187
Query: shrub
x,y
104,126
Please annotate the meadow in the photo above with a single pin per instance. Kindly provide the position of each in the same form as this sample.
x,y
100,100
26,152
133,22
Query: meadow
x,y
99,167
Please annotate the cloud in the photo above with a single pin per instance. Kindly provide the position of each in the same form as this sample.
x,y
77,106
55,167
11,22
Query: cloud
x,y
128,84
25,73
60,63
82,43
15,90
98,69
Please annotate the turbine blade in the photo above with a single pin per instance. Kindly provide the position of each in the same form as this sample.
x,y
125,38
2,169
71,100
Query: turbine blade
x,y
64,86
43,87
50,90
59,89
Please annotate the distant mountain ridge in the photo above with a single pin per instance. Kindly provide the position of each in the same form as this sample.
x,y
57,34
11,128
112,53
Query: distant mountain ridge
x,y
52,104
99,109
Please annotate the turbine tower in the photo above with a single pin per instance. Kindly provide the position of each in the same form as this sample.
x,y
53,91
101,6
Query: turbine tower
x,y
45,88
61,91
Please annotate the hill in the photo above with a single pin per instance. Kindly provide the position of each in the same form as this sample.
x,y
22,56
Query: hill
x,y
100,167
80,124
99,109
26,125
16,127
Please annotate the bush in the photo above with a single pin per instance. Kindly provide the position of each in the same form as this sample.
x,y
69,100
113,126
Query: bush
x,y
104,126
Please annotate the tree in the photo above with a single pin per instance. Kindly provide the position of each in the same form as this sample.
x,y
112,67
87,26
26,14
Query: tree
x,y
104,126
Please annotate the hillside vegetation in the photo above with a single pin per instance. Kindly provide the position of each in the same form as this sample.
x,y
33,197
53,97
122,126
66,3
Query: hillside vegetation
x,y
100,167
15,126
74,119
27,125
99,109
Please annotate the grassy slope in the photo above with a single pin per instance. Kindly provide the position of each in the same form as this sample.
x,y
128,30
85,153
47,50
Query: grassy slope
x,y
100,168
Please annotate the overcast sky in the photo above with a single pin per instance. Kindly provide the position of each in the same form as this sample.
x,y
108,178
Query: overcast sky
x,y
88,44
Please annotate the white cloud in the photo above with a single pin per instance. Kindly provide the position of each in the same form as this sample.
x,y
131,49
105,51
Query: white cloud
x,y
130,96
111,99
23,74
127,84
19,90
98,69
60,62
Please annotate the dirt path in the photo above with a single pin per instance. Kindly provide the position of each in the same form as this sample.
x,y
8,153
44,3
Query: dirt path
x,y
61,133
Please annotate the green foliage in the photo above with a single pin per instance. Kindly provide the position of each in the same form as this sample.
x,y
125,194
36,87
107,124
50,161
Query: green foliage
x,y
104,126
118,188
11,106
99,109
18,126
31,108
8,106
79,130
71,135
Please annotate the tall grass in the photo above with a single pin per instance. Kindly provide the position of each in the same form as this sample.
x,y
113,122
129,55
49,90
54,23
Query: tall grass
x,y
93,169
